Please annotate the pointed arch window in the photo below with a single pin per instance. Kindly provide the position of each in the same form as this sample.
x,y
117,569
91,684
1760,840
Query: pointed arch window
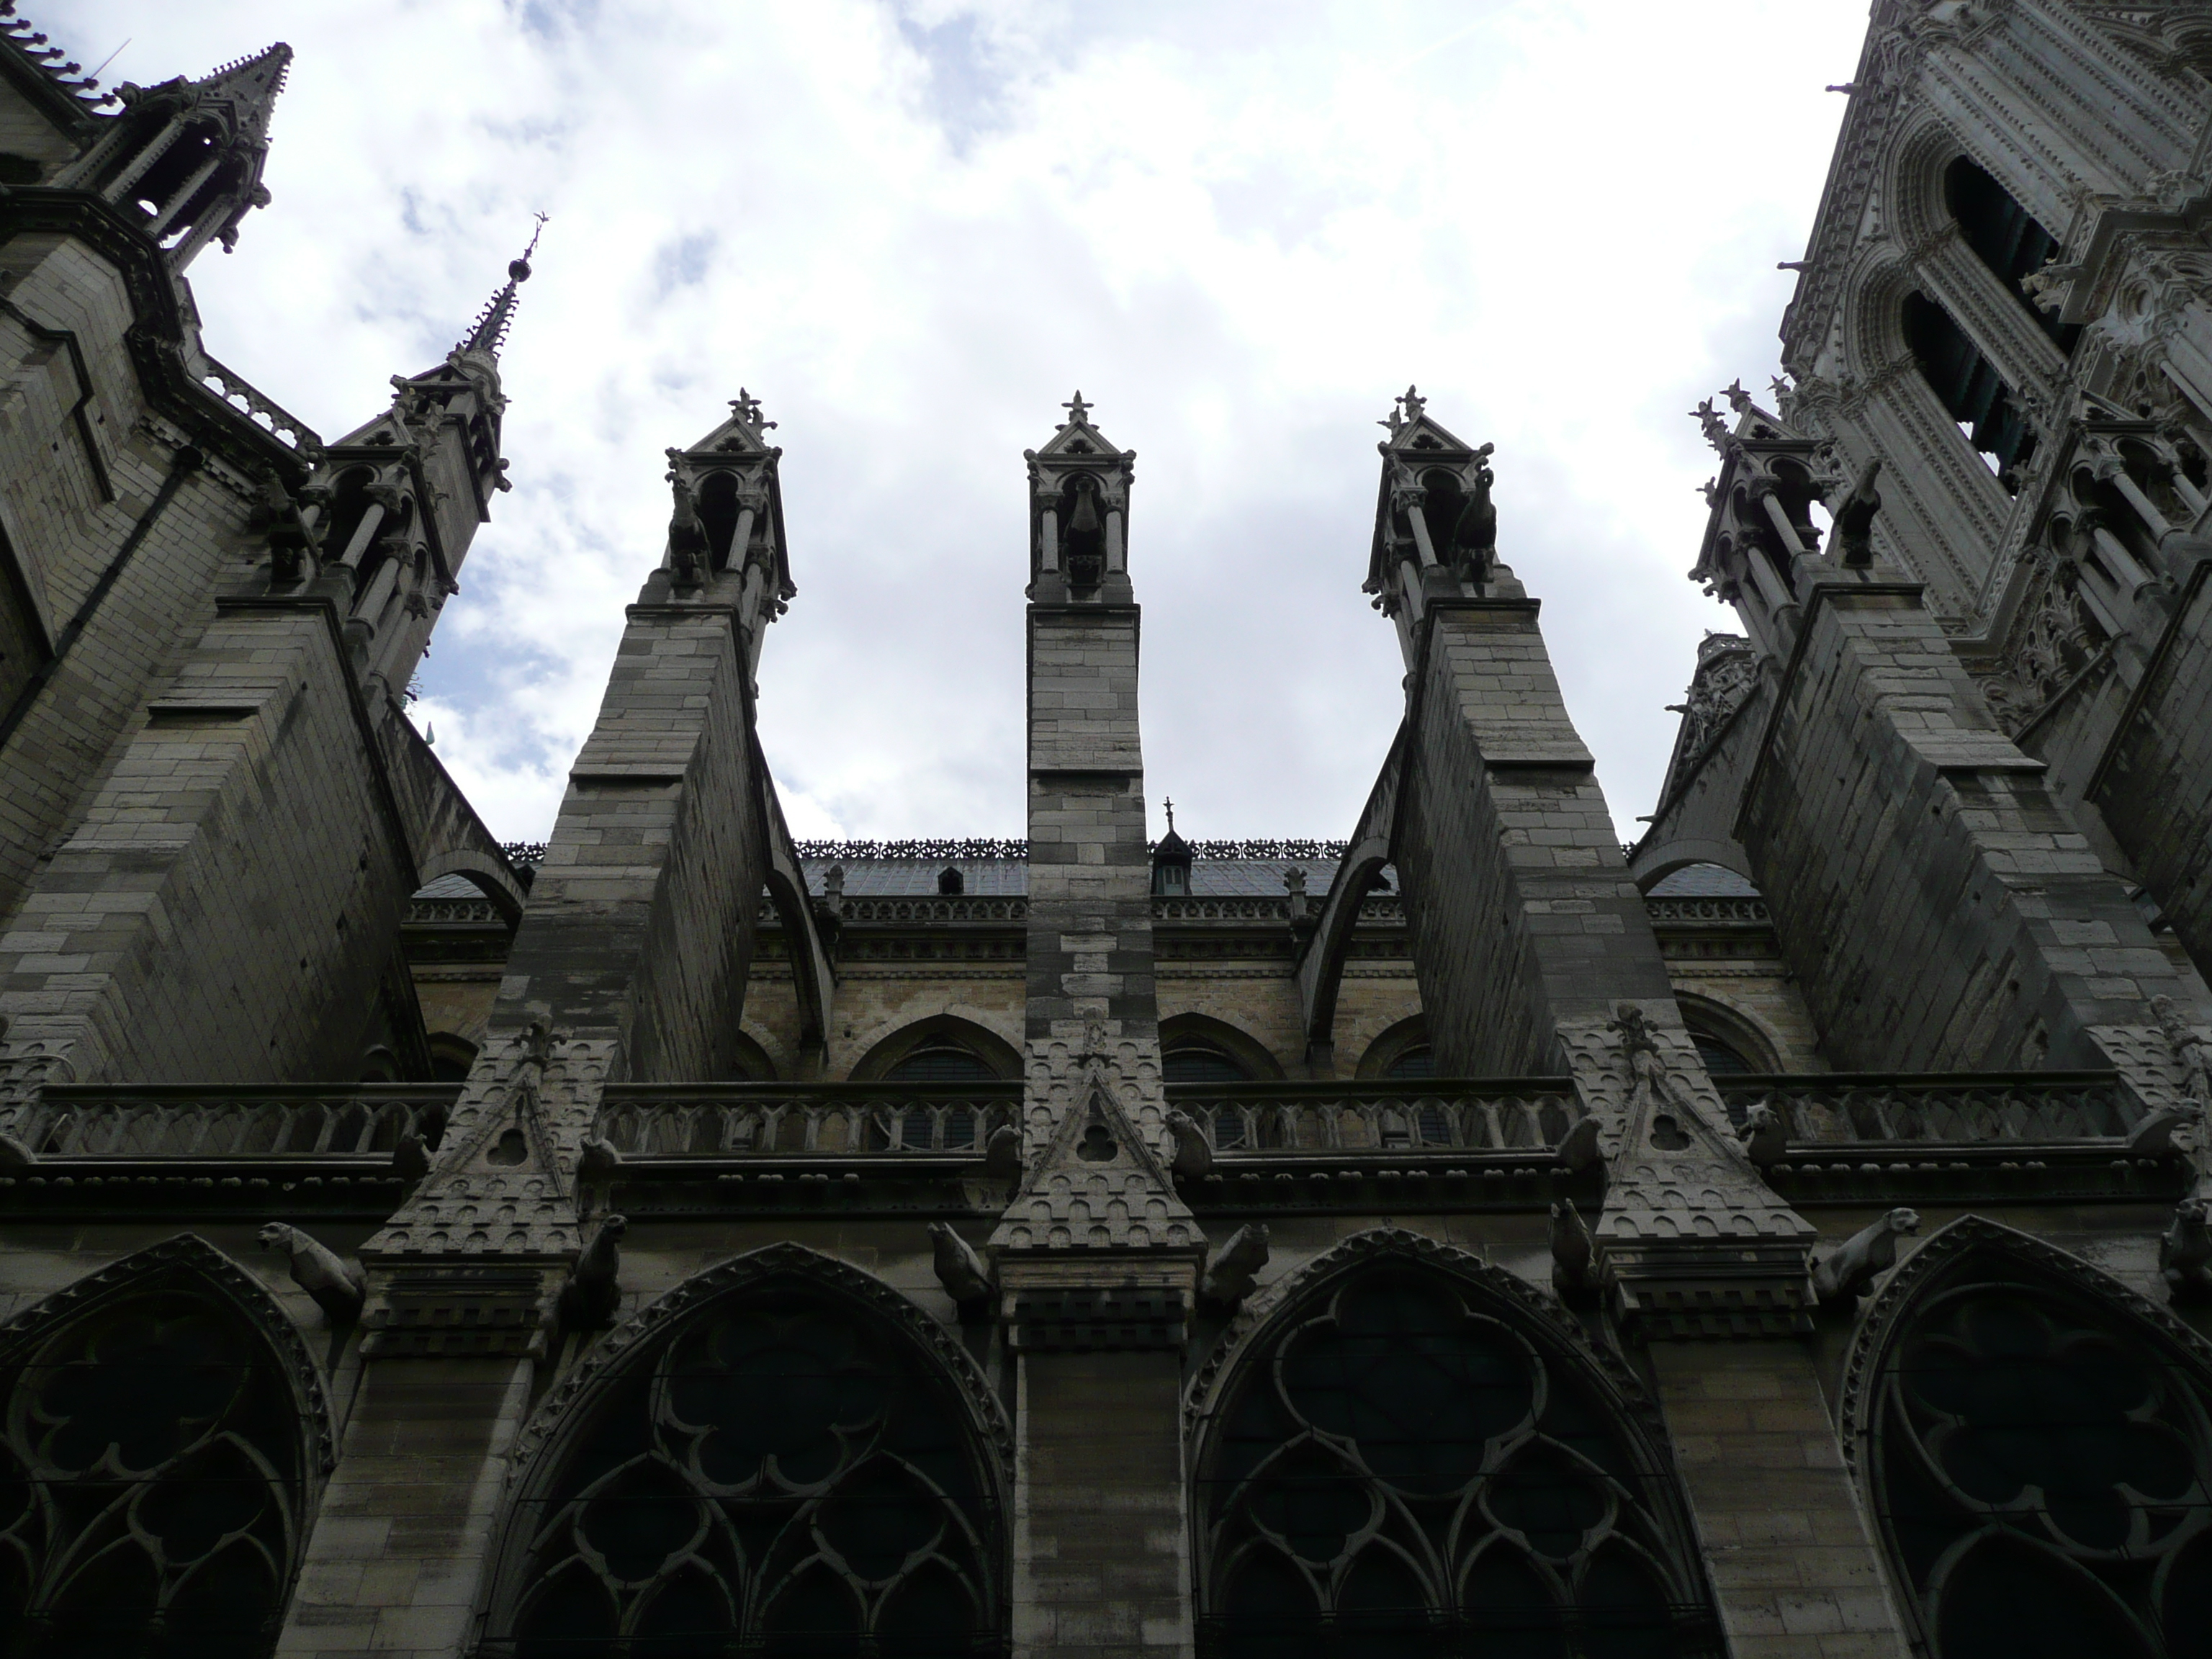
x,y
1401,1471
153,1485
2041,1464
1968,383
2005,239
786,1473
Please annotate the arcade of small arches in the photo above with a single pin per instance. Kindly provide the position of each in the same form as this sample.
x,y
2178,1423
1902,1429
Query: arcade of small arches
x,y
1397,1449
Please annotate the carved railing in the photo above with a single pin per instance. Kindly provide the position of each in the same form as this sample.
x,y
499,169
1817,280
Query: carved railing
x,y
818,1120
241,394
93,1121
1708,912
1530,1114
424,911
1865,1108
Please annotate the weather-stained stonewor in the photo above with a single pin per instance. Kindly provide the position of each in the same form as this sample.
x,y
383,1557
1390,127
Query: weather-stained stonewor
x,y
1469,1236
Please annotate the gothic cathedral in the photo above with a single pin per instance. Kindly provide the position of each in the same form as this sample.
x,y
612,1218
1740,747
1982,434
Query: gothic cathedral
x,y
1787,1235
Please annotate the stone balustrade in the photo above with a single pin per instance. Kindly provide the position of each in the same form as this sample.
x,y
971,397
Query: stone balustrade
x,y
211,1122
821,1120
2041,1107
1531,1113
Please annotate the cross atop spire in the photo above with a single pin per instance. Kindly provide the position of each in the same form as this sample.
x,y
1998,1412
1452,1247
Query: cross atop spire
x,y
491,324
1170,805
1077,411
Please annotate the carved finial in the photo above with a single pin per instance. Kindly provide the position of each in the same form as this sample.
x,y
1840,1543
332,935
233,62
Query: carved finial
x,y
1738,398
490,330
747,408
1170,805
1077,411
1780,387
1415,404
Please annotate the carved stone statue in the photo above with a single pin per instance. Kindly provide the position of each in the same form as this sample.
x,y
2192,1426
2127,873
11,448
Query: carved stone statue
x,y
1572,1274
966,1279
1765,1137
594,1292
1474,538
2184,1253
1002,1153
687,536
1578,1148
338,1287
1193,1154
1843,1276
1855,518
1230,1273
2191,1050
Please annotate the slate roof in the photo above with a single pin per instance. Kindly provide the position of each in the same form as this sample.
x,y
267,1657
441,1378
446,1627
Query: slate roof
x,y
995,877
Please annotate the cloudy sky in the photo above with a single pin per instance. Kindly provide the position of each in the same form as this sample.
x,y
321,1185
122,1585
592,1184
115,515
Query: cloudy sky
x,y
914,227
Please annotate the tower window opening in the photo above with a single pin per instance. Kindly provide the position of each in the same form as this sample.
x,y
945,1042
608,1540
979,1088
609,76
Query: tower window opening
x,y
2006,240
1968,384
718,517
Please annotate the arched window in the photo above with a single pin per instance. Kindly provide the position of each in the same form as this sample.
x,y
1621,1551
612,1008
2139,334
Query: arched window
x,y
2040,1460
784,1471
1408,1463
2004,237
1412,1064
154,1485
1201,1062
1968,383
941,1062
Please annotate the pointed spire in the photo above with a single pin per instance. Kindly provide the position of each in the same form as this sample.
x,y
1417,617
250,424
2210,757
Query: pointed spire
x,y
249,86
492,322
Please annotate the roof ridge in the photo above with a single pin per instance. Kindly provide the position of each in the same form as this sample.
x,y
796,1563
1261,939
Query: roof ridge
x,y
19,33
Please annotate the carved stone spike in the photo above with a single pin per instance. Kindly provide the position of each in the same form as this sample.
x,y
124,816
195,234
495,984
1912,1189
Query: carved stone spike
x,y
963,1272
1230,1274
1578,1148
338,1287
594,1292
1193,1156
1002,1153
1765,1138
1849,1268
2184,1253
1572,1277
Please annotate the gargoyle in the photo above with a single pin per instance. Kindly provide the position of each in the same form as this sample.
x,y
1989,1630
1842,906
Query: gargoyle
x,y
410,1158
1854,537
2184,1253
1765,1138
959,1269
593,1291
1573,1279
1230,1273
1847,1271
1193,1156
2153,1137
338,1287
1002,1153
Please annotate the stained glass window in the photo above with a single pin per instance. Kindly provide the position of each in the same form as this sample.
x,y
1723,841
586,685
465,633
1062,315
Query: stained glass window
x,y
2043,1473
151,1487
785,1474
1401,1472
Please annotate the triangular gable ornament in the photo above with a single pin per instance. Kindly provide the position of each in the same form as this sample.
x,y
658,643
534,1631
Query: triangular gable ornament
x,y
1098,1185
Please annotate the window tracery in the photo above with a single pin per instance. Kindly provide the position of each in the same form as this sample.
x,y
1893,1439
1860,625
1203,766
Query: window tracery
x,y
1399,1471
782,1474
153,1485
2041,1465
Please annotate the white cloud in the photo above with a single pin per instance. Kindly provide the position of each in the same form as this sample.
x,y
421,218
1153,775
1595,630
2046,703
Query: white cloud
x,y
912,230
